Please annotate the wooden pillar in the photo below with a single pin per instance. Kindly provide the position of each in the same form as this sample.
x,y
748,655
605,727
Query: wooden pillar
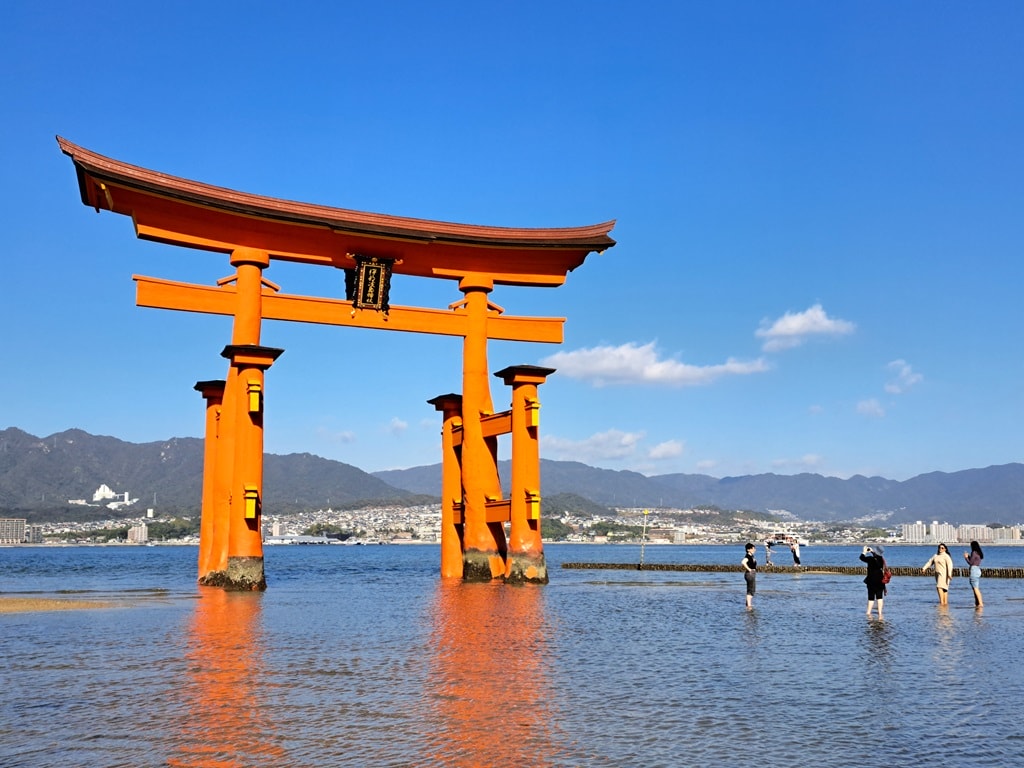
x,y
222,474
213,394
451,486
526,561
483,542
245,399
235,559
249,264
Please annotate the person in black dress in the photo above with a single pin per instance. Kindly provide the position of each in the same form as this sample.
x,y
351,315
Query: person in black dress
x,y
749,563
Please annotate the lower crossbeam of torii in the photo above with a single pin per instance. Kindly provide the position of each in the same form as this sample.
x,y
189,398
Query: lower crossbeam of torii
x,y
253,231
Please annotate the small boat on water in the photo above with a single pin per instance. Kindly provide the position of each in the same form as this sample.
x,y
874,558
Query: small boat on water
x,y
785,539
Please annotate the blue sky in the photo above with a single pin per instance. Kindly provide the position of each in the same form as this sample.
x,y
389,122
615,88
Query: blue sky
x,y
820,214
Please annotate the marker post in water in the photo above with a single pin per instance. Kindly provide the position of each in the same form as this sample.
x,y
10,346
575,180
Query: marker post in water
x,y
643,540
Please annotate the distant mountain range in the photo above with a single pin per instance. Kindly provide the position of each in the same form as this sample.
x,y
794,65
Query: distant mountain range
x,y
991,495
39,475
43,474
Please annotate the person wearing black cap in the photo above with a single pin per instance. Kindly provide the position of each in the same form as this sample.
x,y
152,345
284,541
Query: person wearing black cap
x,y
875,560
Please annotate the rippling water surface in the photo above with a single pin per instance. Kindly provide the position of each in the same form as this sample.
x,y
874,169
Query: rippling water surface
x,y
362,656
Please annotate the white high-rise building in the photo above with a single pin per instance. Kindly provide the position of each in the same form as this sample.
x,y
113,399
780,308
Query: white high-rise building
x,y
1010,533
12,530
979,533
941,532
138,534
915,533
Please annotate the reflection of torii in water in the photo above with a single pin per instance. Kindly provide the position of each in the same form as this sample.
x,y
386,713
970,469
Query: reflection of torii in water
x,y
253,231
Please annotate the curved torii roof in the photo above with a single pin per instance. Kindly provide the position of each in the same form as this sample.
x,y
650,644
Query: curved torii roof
x,y
174,210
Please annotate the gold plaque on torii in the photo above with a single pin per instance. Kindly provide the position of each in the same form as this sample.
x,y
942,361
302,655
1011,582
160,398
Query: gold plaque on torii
x,y
369,284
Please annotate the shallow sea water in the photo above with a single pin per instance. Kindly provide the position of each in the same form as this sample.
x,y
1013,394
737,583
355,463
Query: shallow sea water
x,y
362,656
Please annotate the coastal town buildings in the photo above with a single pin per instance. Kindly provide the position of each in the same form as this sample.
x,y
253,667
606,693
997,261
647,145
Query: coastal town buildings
x,y
421,524
936,533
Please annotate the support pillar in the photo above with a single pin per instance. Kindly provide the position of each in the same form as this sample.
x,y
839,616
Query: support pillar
x,y
451,486
484,544
526,561
222,474
235,557
213,394
243,397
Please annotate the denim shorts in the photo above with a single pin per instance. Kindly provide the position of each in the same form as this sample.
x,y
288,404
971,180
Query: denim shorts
x,y
751,578
975,577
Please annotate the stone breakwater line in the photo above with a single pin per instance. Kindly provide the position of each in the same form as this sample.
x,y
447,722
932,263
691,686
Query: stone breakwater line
x,y
849,570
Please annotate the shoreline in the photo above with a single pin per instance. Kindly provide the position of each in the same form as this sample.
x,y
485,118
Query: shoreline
x,y
658,543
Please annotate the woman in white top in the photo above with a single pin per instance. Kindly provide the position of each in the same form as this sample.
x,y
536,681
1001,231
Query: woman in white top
x,y
942,563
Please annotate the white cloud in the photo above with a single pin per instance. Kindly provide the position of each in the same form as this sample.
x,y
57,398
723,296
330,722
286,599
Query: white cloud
x,y
793,329
871,407
904,379
634,363
806,463
396,426
706,465
339,436
666,450
613,444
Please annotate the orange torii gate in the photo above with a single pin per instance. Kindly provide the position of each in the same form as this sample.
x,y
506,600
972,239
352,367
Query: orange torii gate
x,y
254,230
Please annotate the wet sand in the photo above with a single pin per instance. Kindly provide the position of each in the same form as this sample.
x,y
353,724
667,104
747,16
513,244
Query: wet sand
x,y
30,604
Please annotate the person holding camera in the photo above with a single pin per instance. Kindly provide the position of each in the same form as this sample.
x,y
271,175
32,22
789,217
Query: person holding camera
x,y
876,568
942,563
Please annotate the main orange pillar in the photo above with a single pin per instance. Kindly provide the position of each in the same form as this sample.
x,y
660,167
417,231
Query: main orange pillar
x,y
484,545
245,399
526,561
235,559
213,394
451,485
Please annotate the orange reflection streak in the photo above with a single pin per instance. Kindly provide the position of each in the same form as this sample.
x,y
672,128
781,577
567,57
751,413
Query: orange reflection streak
x,y
225,678
488,691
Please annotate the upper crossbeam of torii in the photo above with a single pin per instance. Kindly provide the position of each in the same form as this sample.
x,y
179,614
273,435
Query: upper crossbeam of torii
x,y
189,213
254,231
